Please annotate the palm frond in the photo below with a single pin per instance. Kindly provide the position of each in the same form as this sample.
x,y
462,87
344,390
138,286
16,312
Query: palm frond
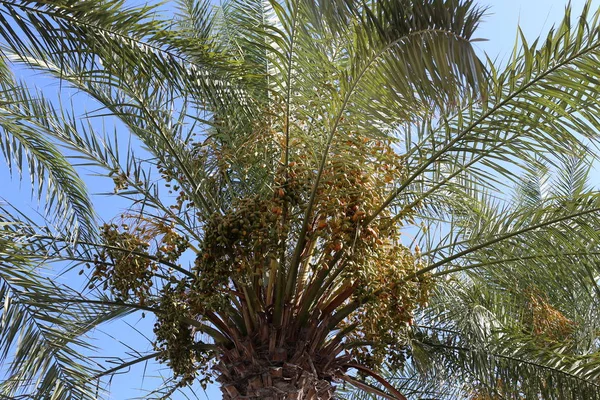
x,y
25,144
542,103
43,345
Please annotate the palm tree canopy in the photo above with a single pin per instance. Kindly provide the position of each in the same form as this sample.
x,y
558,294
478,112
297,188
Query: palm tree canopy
x,y
291,149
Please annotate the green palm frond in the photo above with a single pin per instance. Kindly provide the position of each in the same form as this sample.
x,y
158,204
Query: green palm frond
x,y
473,333
493,322
469,346
573,176
25,144
43,345
544,102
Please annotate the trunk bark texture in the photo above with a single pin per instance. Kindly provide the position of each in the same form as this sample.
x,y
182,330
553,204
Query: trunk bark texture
x,y
278,375
289,382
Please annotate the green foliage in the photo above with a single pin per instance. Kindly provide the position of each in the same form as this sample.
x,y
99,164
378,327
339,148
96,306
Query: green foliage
x,y
337,171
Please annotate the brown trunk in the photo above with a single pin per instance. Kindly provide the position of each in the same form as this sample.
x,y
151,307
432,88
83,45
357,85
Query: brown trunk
x,y
251,371
282,363
289,382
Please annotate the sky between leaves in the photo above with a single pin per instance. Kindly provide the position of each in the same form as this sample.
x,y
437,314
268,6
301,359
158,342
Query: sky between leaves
x,y
535,17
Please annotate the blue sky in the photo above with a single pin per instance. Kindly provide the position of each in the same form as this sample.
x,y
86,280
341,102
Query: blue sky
x,y
534,17
500,28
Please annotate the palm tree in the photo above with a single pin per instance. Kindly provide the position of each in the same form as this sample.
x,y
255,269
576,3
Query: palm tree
x,y
301,141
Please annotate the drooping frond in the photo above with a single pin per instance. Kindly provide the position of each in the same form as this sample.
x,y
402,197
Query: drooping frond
x,y
545,102
43,345
25,141
503,347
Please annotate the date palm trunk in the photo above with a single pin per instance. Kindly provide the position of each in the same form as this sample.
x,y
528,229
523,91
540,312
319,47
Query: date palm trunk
x,y
280,364
287,382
